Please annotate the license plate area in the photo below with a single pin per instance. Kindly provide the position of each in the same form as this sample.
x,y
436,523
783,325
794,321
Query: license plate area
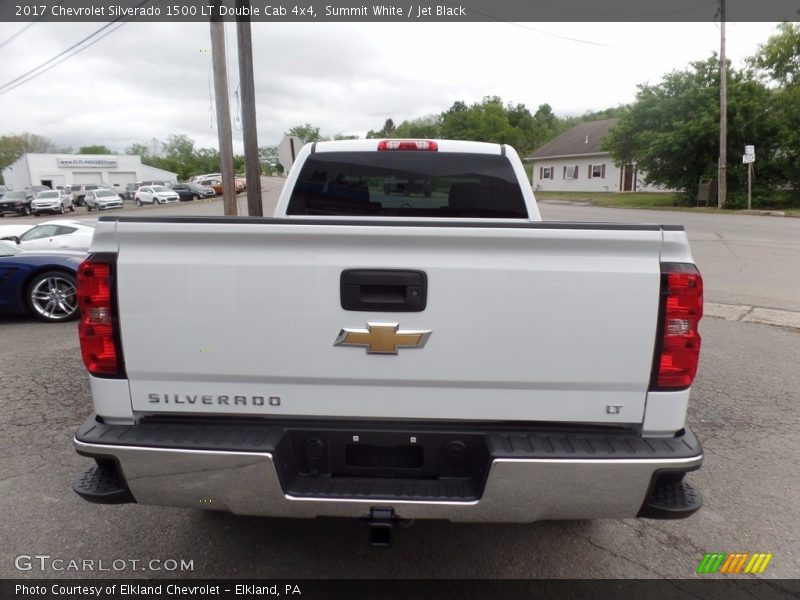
x,y
368,456
387,464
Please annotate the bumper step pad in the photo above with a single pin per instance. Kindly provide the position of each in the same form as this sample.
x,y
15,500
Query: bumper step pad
x,y
671,499
102,485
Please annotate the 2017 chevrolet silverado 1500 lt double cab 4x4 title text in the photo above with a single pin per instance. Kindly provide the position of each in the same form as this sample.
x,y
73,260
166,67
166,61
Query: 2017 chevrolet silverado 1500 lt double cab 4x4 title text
x,y
364,354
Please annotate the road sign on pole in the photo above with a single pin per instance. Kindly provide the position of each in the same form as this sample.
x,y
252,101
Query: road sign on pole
x,y
288,149
749,158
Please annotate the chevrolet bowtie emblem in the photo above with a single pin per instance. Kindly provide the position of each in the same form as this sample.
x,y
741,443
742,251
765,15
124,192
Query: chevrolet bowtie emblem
x,y
382,338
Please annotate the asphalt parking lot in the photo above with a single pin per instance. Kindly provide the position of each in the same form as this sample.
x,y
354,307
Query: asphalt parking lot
x,y
744,409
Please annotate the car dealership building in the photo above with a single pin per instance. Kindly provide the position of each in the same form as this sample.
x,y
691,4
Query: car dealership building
x,y
67,169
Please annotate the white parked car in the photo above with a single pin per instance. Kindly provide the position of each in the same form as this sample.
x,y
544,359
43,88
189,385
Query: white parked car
x,y
52,201
62,234
155,194
102,200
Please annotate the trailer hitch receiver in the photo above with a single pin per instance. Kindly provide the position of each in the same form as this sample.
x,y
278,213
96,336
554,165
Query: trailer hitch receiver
x,y
381,522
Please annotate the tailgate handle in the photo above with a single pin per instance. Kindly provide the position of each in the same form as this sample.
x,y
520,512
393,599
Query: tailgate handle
x,y
388,290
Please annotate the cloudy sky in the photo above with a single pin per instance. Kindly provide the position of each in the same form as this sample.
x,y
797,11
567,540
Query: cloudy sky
x,y
147,80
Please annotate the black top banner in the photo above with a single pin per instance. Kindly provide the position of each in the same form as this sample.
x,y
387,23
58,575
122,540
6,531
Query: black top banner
x,y
398,11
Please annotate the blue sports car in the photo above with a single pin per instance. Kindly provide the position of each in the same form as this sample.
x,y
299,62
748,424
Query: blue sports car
x,y
41,283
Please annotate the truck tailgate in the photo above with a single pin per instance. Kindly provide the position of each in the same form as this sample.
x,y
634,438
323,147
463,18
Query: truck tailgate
x,y
538,322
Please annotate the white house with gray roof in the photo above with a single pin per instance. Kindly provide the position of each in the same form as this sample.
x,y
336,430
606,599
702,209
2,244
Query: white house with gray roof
x,y
576,162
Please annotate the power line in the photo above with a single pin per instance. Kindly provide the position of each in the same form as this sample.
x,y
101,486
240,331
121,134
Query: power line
x,y
21,31
556,35
66,54
620,15
24,29
543,32
583,41
32,74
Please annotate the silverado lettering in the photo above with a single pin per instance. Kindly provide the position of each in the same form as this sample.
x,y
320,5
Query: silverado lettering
x,y
210,399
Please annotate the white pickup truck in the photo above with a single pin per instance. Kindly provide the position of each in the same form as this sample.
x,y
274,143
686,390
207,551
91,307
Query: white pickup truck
x,y
392,356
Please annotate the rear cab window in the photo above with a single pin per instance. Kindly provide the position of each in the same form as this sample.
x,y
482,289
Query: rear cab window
x,y
408,184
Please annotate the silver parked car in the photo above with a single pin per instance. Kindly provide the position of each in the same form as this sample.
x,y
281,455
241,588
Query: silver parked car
x,y
52,201
102,200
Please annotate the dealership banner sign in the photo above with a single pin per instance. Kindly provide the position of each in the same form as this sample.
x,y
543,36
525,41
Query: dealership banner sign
x,y
74,162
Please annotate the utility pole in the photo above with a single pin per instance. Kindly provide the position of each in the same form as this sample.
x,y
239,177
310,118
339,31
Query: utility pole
x,y
250,133
723,114
224,133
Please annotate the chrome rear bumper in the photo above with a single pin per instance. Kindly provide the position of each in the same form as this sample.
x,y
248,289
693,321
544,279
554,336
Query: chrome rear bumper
x,y
515,489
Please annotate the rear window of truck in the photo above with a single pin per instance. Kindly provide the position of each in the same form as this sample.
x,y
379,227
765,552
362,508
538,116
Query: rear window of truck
x,y
408,184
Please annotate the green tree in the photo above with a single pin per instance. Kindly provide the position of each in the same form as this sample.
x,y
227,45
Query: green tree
x,y
388,130
779,57
672,129
488,121
94,150
308,133
205,160
429,126
778,63
457,122
177,154
138,149
546,126
179,146
15,145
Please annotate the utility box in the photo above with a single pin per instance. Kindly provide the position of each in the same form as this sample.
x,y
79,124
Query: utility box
x,y
707,192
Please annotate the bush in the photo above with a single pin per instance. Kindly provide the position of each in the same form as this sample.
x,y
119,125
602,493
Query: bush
x,y
765,199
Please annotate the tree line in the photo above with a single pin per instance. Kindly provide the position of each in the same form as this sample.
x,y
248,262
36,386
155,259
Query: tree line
x,y
490,120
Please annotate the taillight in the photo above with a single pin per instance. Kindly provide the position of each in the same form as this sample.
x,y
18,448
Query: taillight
x,y
97,327
425,145
678,346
